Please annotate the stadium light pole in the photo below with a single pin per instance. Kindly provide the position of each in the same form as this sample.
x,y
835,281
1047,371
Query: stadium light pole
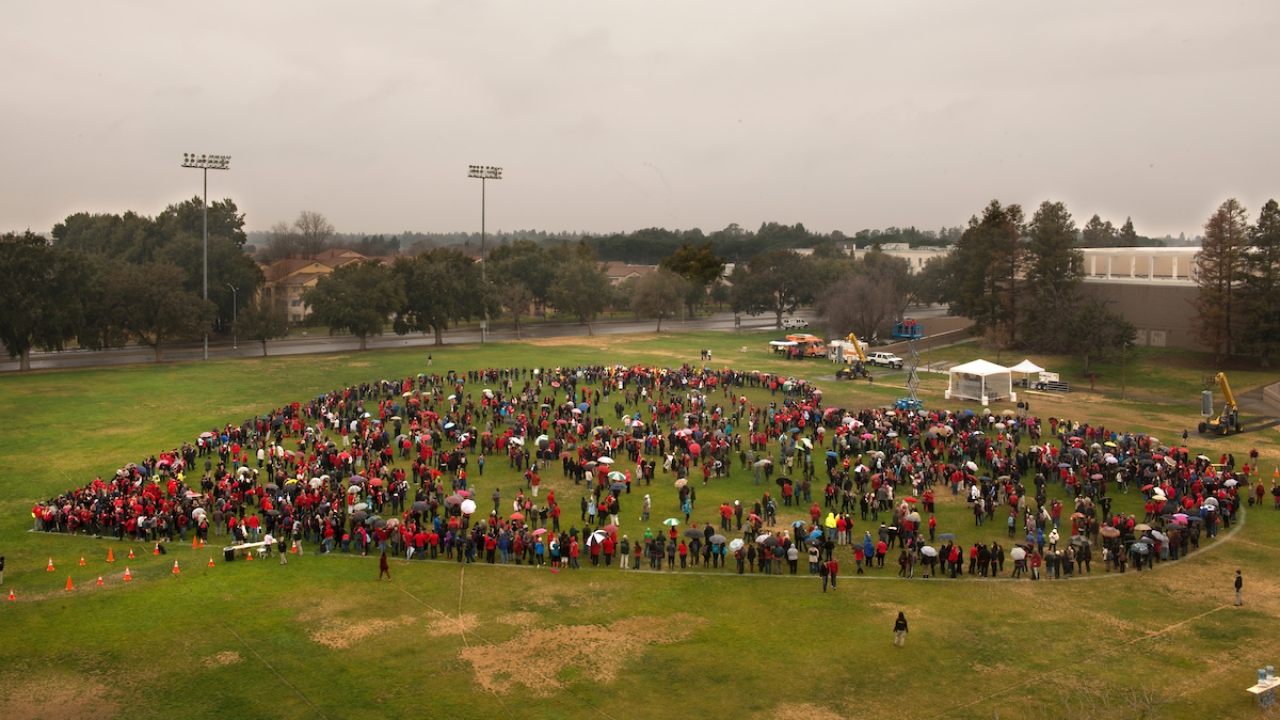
x,y
484,172
205,163
235,330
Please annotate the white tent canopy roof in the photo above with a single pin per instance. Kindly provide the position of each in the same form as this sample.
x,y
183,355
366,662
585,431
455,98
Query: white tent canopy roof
x,y
1026,366
979,367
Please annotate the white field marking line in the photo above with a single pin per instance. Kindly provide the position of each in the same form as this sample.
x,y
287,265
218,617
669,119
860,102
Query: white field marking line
x,y
272,669
462,574
560,686
1095,656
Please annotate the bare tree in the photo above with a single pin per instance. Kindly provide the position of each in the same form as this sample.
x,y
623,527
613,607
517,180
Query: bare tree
x,y
282,242
860,304
314,233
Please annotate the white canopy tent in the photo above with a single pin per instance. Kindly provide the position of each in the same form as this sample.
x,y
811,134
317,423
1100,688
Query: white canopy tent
x,y
980,380
1027,367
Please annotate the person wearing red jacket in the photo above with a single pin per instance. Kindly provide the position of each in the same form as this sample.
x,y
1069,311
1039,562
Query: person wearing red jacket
x,y
607,549
833,570
573,555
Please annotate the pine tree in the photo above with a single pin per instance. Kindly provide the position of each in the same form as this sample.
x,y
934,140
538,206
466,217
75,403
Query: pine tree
x,y
1055,269
1260,296
1219,273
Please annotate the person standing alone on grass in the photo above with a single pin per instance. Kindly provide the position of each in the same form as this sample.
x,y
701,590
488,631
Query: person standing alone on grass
x,y
384,568
1239,585
900,631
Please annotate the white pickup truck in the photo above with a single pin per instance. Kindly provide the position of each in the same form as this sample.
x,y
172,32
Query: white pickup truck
x,y
884,359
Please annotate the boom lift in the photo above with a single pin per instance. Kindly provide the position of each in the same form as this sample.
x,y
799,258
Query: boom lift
x,y
857,368
1229,419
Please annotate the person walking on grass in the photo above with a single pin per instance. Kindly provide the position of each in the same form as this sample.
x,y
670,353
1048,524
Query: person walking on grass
x,y
383,568
900,631
1239,586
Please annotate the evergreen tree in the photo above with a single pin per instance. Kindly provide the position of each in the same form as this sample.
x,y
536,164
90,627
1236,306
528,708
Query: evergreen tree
x,y
1055,269
1219,273
1260,295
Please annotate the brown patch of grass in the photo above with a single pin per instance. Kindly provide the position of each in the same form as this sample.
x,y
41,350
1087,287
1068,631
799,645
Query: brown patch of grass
x,y
453,624
519,619
536,656
227,657
54,697
339,634
803,711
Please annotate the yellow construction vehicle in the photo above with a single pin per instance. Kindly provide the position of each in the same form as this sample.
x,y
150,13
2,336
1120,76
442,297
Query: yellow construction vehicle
x,y
856,368
1229,419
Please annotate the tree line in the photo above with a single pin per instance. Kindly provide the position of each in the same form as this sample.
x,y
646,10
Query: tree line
x,y
1238,279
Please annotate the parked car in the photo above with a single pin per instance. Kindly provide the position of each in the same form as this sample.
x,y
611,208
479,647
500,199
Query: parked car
x,y
794,323
885,359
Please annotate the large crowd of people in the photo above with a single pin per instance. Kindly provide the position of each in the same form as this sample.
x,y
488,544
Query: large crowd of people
x,y
392,467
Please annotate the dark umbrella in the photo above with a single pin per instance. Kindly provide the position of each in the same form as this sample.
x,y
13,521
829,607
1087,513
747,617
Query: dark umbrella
x,y
272,487
717,539
947,536
1079,540
273,513
420,506
770,541
618,487
360,516
693,533
380,523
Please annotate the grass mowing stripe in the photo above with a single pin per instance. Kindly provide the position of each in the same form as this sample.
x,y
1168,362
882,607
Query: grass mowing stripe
x,y
272,669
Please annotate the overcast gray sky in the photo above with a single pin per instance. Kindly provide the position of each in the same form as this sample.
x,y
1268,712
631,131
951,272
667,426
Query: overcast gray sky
x,y
615,116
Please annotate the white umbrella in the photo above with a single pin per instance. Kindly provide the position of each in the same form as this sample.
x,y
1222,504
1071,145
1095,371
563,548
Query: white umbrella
x,y
1017,553
928,551
736,545
468,506
604,460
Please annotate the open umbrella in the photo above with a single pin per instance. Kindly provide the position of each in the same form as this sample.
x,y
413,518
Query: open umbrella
x,y
360,506
1079,540
681,482
693,533
540,531
912,500
771,541
618,487
1109,532
468,506
1018,553
717,539
615,475
420,506
735,545
763,537
453,500
1142,527
929,551
360,516
944,537
517,516
604,460
671,522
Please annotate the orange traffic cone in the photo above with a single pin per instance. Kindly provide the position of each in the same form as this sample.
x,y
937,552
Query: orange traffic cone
x,y
11,597
201,542
175,567
81,561
69,587
130,553
100,581
111,556
195,542
248,556
157,550
210,562
127,576
293,549
50,568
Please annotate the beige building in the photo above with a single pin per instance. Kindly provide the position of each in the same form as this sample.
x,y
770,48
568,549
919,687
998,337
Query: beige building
x,y
287,279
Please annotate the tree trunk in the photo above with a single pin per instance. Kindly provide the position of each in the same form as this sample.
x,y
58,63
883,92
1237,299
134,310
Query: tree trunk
x,y
778,322
24,361
264,348
1086,364
159,346
659,323
590,330
363,343
439,334
518,327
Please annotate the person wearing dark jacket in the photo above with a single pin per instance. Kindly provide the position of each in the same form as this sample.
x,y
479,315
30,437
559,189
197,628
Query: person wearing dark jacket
x,y
900,631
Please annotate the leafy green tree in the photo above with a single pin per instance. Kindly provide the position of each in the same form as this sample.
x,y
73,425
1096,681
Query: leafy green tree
x,y
1097,333
262,320
516,297
659,295
777,281
699,266
858,303
1261,291
1098,234
441,287
1219,274
154,306
526,262
1128,237
227,265
41,295
988,262
357,298
581,287
1054,272
131,237
187,217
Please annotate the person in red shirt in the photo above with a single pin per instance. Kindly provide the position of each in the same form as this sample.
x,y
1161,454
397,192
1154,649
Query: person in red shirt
x,y
683,550
833,570
384,568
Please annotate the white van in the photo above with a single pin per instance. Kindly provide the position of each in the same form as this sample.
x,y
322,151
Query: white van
x,y
794,323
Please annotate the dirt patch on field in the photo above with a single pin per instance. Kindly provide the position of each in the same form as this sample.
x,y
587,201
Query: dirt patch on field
x,y
595,341
54,698
542,659
520,619
802,711
341,634
453,624
229,657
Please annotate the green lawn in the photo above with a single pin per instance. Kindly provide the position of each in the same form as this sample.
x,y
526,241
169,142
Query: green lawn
x,y
321,637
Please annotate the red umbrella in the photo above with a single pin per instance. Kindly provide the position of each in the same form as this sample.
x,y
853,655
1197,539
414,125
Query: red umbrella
x,y
517,516
1147,487
911,500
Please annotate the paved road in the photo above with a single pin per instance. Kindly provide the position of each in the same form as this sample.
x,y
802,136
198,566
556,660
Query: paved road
x,y
181,352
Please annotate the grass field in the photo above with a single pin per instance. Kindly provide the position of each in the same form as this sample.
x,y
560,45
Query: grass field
x,y
321,638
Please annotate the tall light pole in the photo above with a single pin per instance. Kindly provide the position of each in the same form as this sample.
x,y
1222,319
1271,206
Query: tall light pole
x,y
484,172
235,329
206,163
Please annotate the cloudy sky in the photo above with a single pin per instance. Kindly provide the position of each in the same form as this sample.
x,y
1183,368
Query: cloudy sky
x,y
615,116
